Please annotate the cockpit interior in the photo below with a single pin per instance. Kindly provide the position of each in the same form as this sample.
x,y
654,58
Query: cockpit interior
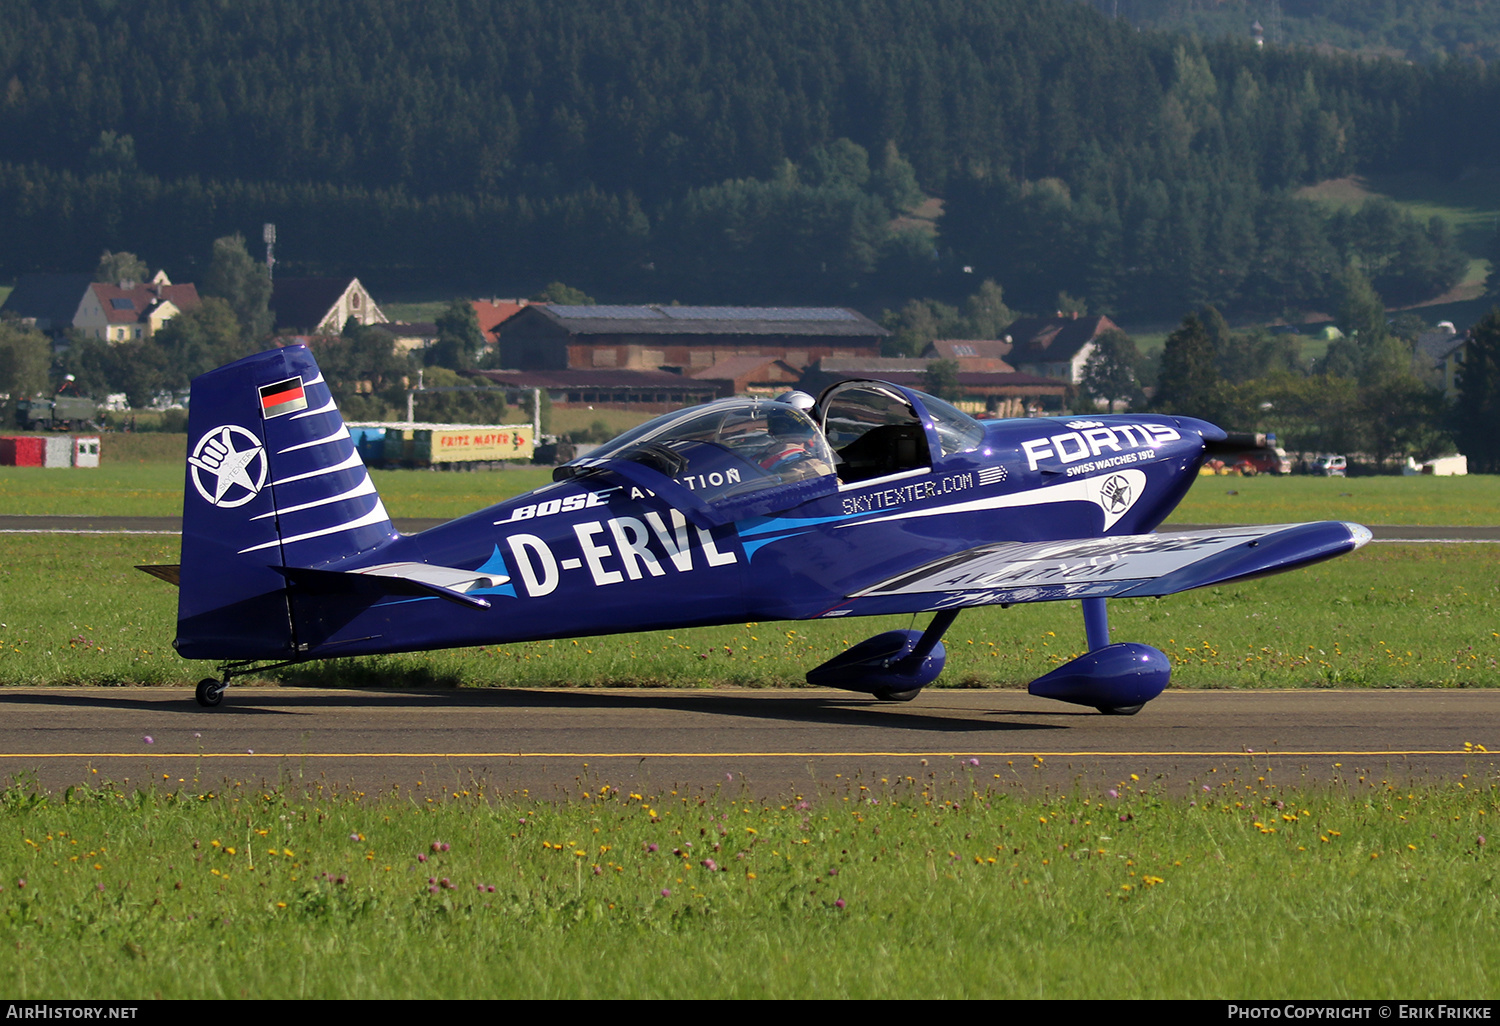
x,y
857,430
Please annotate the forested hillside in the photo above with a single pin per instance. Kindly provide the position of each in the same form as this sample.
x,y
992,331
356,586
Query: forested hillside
x,y
737,150
1415,29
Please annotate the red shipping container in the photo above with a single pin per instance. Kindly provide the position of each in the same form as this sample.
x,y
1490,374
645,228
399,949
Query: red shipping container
x,y
23,451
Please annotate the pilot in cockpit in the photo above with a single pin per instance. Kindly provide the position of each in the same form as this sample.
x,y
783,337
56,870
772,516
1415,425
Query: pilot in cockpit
x,y
727,449
791,439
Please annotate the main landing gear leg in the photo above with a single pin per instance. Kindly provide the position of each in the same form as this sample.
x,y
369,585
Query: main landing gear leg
x,y
1095,623
1096,629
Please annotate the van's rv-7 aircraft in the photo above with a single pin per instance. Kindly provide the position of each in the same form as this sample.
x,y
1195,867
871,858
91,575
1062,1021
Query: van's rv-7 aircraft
x,y
874,499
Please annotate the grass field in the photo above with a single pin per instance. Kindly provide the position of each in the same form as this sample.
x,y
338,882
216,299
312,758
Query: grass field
x,y
76,612
155,489
1473,500
199,890
144,488
423,312
1470,202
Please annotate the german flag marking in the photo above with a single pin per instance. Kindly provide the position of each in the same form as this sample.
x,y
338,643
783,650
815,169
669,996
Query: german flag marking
x,y
281,398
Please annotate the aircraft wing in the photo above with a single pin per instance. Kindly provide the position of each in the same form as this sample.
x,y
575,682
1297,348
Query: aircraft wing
x,y
1126,566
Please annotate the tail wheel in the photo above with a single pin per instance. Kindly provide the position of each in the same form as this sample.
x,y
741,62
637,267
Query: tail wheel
x,y
210,692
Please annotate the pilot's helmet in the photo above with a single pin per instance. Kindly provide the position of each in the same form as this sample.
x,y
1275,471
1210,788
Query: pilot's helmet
x,y
785,424
797,400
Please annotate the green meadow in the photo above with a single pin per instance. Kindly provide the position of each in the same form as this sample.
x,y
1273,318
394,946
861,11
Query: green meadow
x,y
946,883
1469,202
1472,501
74,611
144,488
155,490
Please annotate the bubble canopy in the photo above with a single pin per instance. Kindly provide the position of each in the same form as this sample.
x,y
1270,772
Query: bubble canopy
x,y
722,451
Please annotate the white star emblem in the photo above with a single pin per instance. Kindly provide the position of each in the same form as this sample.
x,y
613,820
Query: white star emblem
x,y
1116,494
215,456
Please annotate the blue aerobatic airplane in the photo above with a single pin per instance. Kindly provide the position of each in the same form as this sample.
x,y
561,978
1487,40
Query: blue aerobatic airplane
x,y
873,499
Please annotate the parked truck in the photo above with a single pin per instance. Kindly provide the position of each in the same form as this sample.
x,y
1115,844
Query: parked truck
x,y
54,413
1250,453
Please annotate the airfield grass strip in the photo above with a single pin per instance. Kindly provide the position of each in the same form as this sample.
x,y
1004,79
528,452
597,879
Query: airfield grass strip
x,y
943,883
74,611
1471,501
155,490
137,488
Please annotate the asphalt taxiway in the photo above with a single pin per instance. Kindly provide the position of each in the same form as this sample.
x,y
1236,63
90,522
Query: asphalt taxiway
x,y
551,743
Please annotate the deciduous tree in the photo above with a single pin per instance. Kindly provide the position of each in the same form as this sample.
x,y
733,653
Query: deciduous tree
x,y
24,356
196,341
243,282
1110,374
122,266
563,295
941,380
460,341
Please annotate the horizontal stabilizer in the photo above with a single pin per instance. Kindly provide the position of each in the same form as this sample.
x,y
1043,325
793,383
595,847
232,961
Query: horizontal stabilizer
x,y
419,579
169,572
1127,566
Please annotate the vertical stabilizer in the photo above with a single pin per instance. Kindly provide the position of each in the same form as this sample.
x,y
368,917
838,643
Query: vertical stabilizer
x,y
273,479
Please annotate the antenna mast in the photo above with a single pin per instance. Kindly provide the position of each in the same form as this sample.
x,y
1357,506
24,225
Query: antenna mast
x,y
268,233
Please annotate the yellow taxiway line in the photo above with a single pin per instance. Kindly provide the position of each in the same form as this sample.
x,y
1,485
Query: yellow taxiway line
x,y
966,753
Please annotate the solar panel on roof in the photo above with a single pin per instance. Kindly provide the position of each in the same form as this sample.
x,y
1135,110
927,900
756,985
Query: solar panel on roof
x,y
706,313
122,304
755,313
606,313
821,313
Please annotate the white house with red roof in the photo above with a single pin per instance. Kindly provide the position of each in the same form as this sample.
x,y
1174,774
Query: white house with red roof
x,y
127,312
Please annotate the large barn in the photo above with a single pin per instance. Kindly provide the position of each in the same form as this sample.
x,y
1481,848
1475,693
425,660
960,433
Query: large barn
x,y
681,339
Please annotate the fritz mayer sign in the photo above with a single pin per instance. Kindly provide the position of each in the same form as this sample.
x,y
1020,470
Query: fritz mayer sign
x,y
477,444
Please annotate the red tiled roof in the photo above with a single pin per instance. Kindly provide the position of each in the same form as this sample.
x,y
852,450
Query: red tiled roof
x,y
493,314
136,300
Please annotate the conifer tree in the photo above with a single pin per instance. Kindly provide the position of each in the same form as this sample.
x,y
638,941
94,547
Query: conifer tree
x,y
1188,382
1477,413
